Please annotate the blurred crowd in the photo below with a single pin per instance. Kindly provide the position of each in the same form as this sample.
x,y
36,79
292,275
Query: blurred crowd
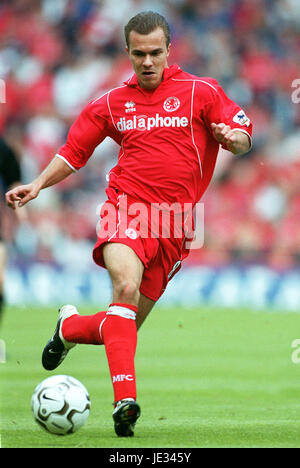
x,y
57,55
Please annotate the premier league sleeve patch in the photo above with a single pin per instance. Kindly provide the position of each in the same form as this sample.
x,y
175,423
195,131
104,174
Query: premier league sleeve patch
x,y
241,118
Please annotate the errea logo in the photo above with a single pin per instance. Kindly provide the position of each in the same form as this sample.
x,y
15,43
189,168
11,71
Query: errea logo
x,y
130,106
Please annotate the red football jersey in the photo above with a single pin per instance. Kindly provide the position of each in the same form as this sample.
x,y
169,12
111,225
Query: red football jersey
x,y
168,152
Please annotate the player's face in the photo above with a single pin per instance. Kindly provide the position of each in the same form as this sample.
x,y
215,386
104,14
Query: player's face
x,y
148,54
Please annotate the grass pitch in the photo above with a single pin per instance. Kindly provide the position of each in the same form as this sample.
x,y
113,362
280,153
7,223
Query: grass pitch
x,y
206,378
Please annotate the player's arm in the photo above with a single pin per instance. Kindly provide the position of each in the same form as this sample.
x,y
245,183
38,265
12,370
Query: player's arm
x,y
236,141
54,173
226,121
87,132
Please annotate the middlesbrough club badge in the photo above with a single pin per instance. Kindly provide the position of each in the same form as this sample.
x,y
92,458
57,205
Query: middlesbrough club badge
x,y
171,104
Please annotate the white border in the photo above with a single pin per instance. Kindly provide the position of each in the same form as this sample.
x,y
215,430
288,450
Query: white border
x,y
66,161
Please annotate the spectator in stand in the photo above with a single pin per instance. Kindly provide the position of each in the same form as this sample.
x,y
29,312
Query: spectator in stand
x,y
245,45
10,176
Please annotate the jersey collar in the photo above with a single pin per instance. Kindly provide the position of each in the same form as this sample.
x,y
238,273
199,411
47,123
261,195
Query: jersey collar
x,y
168,73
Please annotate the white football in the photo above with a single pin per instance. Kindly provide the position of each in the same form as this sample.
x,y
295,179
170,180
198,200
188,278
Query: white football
x,y
61,404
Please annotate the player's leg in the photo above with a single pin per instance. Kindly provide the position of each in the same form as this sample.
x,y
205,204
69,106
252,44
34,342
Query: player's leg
x,y
87,329
125,270
73,328
116,328
144,308
119,332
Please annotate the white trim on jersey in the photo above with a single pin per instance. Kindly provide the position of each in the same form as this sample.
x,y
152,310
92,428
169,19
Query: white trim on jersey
x,y
66,161
208,84
100,328
119,219
191,119
192,129
201,81
107,92
108,105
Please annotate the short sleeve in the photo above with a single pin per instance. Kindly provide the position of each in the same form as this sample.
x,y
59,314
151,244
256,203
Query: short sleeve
x,y
221,109
87,132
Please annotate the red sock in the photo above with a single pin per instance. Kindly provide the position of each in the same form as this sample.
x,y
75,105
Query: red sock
x,y
115,328
84,329
120,339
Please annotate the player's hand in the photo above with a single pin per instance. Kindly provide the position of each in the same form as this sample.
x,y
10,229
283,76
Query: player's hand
x,y
21,195
224,134
235,141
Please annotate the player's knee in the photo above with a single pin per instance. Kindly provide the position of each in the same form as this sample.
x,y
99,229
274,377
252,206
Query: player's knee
x,y
126,290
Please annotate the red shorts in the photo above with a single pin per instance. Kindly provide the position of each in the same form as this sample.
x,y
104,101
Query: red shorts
x,y
161,256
